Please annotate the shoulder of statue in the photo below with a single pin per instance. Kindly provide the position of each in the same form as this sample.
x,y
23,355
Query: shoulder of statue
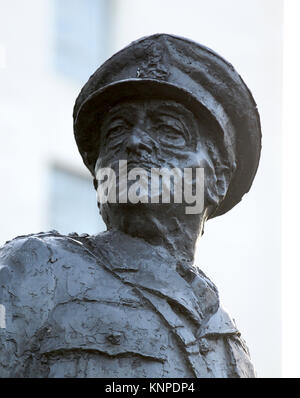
x,y
27,250
22,250
220,327
49,261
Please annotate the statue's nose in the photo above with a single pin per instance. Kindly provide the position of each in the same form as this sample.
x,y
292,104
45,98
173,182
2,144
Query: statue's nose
x,y
138,142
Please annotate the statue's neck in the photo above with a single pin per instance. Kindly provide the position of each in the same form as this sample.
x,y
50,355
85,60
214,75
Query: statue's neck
x,y
174,231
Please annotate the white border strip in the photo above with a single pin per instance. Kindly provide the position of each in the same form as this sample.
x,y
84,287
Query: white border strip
x,y
291,192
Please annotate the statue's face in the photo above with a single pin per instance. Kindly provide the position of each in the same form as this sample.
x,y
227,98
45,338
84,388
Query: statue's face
x,y
151,133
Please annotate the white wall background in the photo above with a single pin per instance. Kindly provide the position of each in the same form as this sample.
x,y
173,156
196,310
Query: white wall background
x,y
240,251
291,192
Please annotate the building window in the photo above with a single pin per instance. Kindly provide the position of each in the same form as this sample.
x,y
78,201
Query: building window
x,y
81,30
73,204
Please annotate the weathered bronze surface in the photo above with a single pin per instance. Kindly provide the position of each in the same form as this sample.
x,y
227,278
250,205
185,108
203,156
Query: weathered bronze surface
x,y
130,302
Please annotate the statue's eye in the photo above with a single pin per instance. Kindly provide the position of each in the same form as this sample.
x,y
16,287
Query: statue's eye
x,y
115,130
115,133
171,135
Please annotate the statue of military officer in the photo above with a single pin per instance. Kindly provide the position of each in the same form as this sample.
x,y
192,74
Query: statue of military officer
x,y
130,302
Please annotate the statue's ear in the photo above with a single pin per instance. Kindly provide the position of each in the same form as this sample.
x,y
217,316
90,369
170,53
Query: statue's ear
x,y
223,175
220,175
216,189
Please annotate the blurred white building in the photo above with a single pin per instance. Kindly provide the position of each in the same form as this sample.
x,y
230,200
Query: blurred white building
x,y
49,48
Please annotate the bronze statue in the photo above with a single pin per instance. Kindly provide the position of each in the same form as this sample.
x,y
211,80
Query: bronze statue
x,y
130,302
